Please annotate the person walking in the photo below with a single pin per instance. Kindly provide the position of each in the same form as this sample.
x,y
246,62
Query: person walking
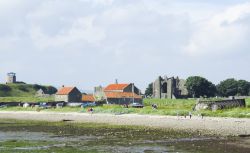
x,y
190,115
91,110
202,115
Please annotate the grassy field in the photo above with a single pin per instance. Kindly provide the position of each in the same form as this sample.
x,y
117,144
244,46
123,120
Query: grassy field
x,y
165,107
23,90
27,99
171,107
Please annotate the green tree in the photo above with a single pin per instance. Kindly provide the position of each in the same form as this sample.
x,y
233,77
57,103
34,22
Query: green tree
x,y
149,90
228,87
198,86
46,89
37,87
51,90
243,87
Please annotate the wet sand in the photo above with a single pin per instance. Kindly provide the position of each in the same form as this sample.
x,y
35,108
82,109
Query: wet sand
x,y
208,125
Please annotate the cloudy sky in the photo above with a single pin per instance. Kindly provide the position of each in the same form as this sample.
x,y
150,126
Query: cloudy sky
x,y
86,43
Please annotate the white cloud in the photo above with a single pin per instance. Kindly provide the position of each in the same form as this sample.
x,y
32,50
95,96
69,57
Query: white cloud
x,y
223,33
103,2
133,41
99,2
81,31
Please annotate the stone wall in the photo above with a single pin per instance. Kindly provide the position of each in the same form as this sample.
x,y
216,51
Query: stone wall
x,y
61,98
220,104
157,86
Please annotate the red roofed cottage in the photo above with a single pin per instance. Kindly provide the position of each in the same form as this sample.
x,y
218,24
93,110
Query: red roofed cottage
x,y
120,93
68,94
122,88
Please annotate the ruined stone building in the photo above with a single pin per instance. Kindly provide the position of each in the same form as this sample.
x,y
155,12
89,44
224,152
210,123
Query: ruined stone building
x,y
169,88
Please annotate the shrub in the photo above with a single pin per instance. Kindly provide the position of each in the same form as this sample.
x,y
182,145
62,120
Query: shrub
x,y
4,88
51,90
23,88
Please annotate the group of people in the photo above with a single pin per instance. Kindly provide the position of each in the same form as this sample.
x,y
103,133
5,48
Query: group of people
x,y
154,106
190,115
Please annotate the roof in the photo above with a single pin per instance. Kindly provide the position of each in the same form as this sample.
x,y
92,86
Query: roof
x,y
88,98
64,90
116,87
122,95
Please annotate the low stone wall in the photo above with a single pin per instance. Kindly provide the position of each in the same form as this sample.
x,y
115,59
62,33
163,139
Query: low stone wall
x,y
220,104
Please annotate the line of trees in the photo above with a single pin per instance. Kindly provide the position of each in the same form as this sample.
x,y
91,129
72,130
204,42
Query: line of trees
x,y
198,86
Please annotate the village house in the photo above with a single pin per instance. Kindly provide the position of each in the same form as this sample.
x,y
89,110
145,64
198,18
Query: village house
x,y
42,93
86,98
122,88
122,98
119,94
68,94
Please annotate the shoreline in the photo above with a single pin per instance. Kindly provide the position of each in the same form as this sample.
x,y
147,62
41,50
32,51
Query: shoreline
x,y
221,126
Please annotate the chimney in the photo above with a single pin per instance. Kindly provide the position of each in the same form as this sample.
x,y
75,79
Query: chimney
x,y
116,81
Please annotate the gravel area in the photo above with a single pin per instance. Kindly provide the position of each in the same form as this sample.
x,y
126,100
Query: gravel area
x,y
211,125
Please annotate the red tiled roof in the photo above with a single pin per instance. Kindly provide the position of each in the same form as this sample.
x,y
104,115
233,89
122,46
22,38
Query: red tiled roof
x,y
64,90
121,95
88,98
115,87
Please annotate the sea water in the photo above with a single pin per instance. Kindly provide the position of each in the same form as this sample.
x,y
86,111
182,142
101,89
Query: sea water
x,y
66,138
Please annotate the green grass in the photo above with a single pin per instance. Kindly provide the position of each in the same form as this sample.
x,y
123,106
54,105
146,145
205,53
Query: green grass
x,y
27,99
171,103
165,107
17,90
248,102
22,90
24,93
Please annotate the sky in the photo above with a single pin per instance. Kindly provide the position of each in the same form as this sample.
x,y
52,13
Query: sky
x,y
87,43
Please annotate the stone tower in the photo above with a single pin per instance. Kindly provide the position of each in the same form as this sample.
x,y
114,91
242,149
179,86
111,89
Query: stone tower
x,y
169,88
11,77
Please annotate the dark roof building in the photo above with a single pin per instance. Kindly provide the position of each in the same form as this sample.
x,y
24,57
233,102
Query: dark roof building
x,y
68,94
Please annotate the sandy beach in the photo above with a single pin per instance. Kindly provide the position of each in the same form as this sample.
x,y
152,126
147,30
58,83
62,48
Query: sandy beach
x,y
210,125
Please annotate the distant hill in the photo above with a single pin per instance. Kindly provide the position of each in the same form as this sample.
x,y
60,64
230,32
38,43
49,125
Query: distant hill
x,y
24,90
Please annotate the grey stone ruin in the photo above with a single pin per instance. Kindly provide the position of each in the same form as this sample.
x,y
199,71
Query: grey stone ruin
x,y
170,88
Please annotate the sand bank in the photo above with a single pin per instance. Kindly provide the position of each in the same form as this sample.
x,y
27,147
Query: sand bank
x,y
211,125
